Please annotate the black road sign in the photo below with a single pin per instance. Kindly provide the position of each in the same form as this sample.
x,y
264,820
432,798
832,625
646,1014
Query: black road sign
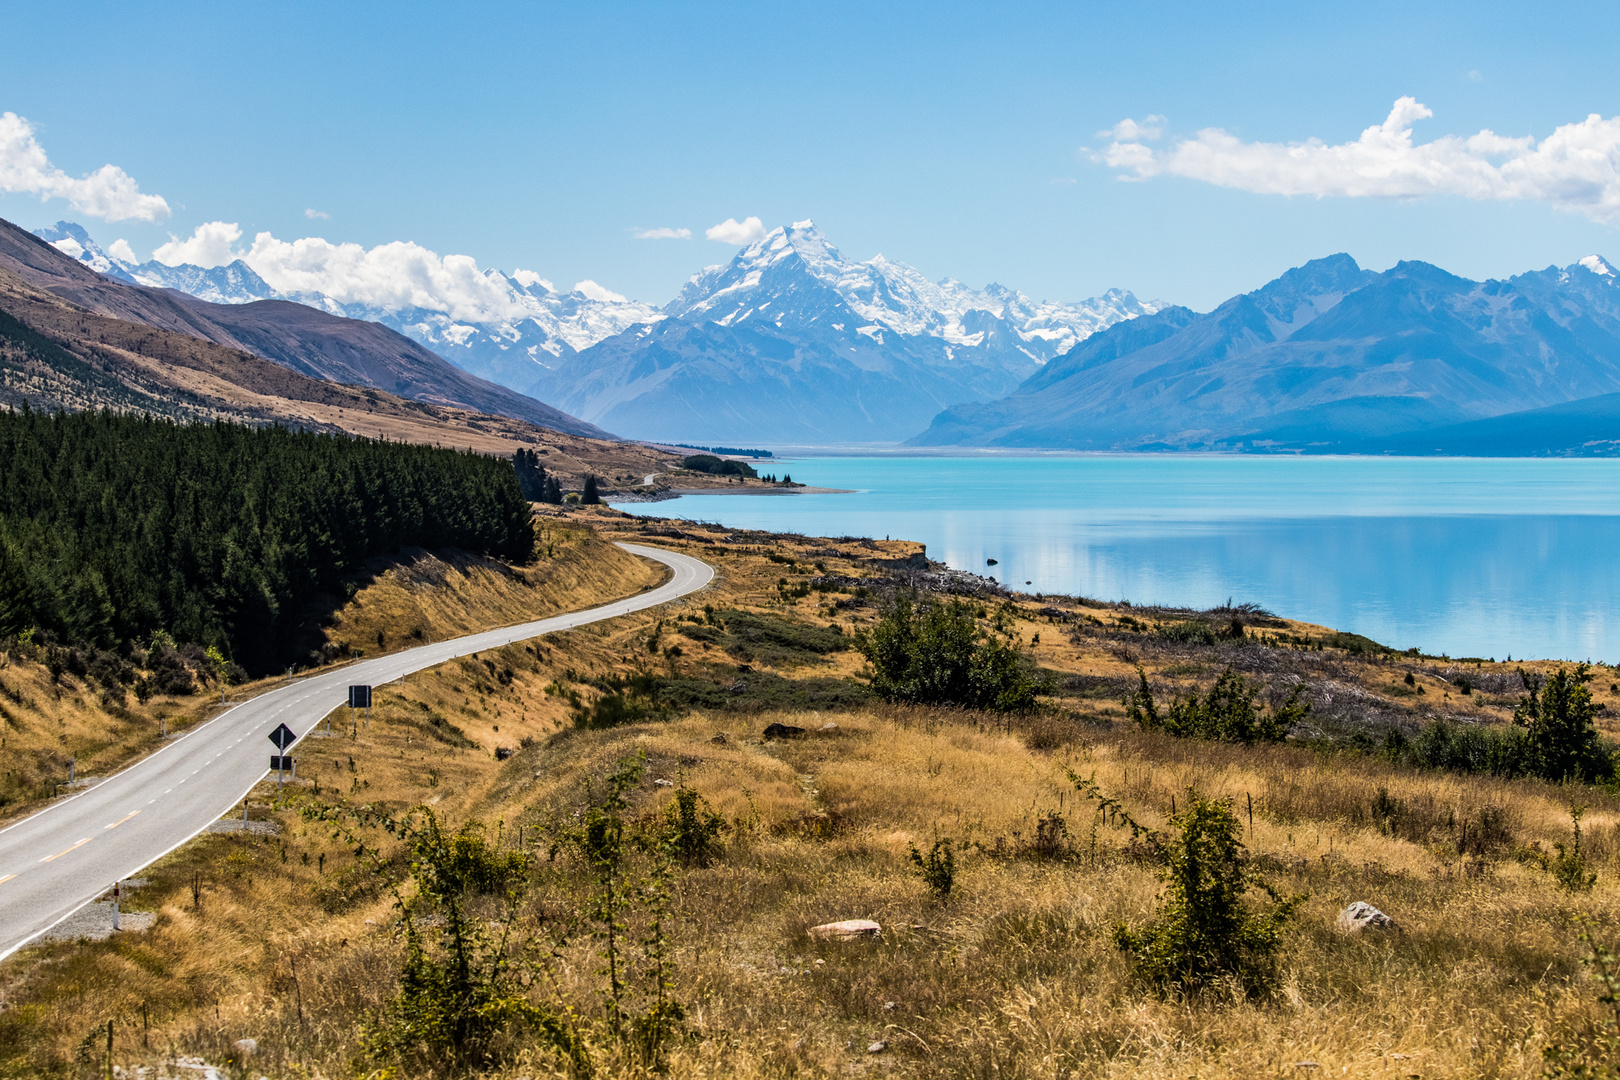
x,y
359,697
283,737
279,763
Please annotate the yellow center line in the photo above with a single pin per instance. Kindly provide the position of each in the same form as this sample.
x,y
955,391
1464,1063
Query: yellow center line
x,y
7,878
121,820
59,854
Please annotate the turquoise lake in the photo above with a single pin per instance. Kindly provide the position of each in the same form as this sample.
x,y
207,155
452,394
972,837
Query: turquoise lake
x,y
1467,556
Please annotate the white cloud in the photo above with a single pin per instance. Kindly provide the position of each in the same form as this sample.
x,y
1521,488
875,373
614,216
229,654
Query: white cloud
x,y
1062,181
662,234
120,250
68,246
209,245
732,231
529,279
1128,130
108,193
1576,168
597,292
313,214
390,276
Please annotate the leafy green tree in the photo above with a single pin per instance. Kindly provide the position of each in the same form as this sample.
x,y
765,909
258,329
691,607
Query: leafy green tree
x,y
1205,931
938,654
1558,716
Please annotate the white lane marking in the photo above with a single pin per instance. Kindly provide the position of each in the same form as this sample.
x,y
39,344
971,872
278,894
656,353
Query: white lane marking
x,y
59,854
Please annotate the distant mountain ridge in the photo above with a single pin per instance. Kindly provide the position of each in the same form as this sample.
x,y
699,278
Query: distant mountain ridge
x,y
788,342
297,336
792,343
1328,357
534,325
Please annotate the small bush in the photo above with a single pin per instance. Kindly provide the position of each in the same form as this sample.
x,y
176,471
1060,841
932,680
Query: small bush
x,y
939,655
691,829
1227,713
1569,864
938,868
1593,1054
1204,932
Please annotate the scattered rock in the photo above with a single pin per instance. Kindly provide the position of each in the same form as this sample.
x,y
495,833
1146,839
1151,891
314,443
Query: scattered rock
x,y
738,687
890,1006
661,782
829,727
848,930
246,1046
877,1047
991,562
503,752
720,738
1361,916
783,731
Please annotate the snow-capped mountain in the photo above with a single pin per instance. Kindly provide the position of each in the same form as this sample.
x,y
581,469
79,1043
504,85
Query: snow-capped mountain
x,y
888,295
792,343
528,325
71,240
541,326
788,342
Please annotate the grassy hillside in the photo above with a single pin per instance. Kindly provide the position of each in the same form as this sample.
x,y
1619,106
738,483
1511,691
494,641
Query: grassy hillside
x,y
294,939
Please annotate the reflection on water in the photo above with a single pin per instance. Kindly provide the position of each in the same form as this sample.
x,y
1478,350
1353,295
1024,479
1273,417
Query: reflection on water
x,y
1473,557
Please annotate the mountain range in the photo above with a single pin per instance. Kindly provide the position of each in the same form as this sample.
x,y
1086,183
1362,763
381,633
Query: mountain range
x,y
1332,357
295,335
789,342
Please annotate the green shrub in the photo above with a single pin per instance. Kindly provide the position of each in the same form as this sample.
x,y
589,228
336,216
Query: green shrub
x,y
1227,713
938,868
1592,1054
691,829
938,654
1569,864
1557,714
1204,932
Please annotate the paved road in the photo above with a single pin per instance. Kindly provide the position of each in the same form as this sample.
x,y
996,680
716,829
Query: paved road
x,y
61,858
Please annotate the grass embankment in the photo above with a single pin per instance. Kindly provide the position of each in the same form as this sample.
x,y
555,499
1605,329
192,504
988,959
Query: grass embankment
x,y
55,708
293,941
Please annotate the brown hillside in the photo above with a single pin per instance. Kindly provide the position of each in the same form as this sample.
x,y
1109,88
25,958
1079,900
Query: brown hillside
x,y
293,335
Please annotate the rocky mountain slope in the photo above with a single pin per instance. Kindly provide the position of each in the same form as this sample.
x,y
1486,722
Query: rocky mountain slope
x,y
792,343
299,337
1328,356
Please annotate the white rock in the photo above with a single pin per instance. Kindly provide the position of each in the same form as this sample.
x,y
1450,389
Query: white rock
x,y
848,930
1361,916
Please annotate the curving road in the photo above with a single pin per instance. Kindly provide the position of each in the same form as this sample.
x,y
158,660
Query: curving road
x,y
61,858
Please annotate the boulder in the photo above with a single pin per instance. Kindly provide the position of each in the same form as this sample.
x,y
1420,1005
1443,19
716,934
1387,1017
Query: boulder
x,y
1361,916
720,738
783,731
848,930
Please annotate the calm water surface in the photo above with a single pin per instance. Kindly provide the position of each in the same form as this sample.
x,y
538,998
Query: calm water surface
x,y
1467,556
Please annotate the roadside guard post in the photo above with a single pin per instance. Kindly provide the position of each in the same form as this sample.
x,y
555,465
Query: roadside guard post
x,y
283,737
115,905
360,698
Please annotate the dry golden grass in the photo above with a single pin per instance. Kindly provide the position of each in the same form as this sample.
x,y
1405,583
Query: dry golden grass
x,y
295,945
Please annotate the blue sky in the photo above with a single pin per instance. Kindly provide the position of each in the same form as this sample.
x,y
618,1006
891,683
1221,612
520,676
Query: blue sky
x,y
954,137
